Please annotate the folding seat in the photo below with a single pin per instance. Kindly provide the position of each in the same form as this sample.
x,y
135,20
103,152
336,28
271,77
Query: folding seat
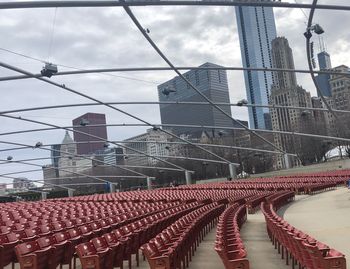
x,y
96,228
58,250
58,226
31,256
86,232
118,247
70,244
105,225
5,229
90,258
101,244
68,224
7,249
25,235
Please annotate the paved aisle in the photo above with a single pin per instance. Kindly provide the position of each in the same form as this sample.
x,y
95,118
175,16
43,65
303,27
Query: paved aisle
x,y
261,252
206,257
325,216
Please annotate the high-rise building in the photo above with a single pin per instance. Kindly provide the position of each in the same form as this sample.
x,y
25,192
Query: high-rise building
x,y
286,92
212,83
85,124
340,87
324,61
144,144
67,162
282,56
256,28
55,156
325,120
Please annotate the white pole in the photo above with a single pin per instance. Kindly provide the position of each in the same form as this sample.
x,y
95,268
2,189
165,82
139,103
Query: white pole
x,y
232,169
188,177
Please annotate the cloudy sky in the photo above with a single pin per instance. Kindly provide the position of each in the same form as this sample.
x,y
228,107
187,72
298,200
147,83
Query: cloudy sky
x,y
88,38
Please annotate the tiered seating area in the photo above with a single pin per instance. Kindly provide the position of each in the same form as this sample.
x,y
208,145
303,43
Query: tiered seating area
x,y
293,244
228,242
174,246
103,230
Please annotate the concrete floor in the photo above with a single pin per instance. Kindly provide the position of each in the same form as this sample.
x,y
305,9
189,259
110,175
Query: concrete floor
x,y
326,217
261,252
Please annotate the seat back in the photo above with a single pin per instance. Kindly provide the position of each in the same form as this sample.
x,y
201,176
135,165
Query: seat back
x,y
85,249
26,248
46,241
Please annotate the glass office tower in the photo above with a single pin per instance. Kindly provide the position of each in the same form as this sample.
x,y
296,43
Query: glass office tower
x,y
257,29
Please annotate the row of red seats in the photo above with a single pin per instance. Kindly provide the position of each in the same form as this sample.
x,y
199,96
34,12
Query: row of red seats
x,y
294,244
171,194
65,220
66,230
111,249
35,213
175,246
228,243
253,203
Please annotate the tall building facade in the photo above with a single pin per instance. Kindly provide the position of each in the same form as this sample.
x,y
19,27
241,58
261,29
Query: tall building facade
x,y
286,92
67,162
85,124
340,87
257,29
212,83
144,144
324,62
55,156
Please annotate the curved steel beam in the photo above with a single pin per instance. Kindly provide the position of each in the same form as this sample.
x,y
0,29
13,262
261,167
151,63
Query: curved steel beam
x,y
141,69
197,126
160,142
64,170
67,167
106,3
171,103
71,155
132,155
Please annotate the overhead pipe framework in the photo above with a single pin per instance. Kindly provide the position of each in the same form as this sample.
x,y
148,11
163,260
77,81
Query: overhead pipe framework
x,y
158,142
170,103
138,3
197,126
68,89
145,69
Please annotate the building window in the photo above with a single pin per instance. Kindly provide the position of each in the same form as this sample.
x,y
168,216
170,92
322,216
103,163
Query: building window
x,y
188,78
197,77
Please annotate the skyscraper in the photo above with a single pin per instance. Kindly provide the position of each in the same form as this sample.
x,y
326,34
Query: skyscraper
x,y
256,28
85,124
282,57
324,61
212,83
286,92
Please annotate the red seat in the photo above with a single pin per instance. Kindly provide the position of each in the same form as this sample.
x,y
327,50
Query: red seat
x,y
7,249
90,258
58,250
31,256
118,245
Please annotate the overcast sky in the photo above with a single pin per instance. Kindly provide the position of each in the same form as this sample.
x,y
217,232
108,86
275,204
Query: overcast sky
x,y
106,38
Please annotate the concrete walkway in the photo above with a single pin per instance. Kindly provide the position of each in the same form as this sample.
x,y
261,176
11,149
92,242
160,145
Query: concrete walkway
x,y
261,252
326,217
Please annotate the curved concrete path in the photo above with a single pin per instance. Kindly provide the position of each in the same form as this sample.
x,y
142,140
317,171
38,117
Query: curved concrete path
x,y
324,216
